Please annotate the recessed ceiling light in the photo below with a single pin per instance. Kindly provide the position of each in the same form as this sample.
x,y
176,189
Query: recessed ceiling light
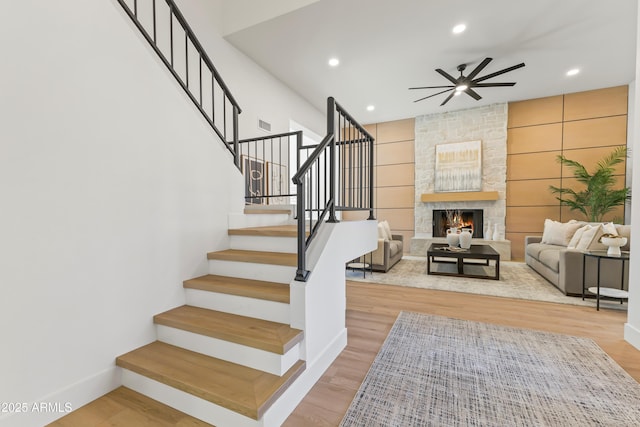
x,y
334,62
371,107
459,28
573,71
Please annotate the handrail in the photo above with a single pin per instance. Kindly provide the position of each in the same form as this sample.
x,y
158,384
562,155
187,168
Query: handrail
x,y
207,107
342,166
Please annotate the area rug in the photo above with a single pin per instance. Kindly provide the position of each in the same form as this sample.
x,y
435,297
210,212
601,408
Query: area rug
x,y
517,280
438,371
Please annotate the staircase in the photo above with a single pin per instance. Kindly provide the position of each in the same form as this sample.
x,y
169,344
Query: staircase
x,y
228,354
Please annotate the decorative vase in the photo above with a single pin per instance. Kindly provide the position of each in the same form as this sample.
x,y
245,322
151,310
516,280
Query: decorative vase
x,y
453,238
465,239
614,244
496,235
487,232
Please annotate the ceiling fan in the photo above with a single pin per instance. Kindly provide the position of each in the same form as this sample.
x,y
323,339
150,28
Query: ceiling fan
x,y
467,83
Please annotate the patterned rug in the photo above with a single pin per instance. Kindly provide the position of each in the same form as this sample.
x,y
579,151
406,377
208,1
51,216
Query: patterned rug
x,y
517,280
438,371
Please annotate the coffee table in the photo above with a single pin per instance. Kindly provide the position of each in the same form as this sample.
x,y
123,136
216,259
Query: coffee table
x,y
458,256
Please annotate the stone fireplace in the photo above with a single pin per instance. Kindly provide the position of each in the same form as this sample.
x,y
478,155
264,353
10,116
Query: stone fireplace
x,y
487,124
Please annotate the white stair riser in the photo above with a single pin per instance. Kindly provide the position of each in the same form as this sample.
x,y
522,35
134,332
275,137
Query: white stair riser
x,y
264,243
185,402
254,271
277,364
242,306
257,220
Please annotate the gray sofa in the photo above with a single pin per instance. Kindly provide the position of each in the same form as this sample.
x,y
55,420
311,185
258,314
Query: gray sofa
x,y
563,267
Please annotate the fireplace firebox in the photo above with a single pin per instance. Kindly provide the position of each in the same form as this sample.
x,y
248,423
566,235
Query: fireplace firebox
x,y
466,218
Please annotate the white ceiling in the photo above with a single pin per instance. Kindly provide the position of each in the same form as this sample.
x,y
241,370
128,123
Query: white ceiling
x,y
387,46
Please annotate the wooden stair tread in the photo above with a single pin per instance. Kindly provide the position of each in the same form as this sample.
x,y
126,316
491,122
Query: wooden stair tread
x,y
285,230
244,390
270,291
257,333
259,257
265,211
125,407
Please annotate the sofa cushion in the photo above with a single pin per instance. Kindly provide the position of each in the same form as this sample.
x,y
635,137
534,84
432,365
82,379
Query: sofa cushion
x,y
558,233
534,249
550,258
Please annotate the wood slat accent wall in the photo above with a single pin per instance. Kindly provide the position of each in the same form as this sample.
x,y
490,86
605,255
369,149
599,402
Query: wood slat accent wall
x,y
583,126
394,177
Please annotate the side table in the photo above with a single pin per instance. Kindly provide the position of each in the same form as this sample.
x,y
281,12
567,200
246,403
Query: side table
x,y
361,263
598,290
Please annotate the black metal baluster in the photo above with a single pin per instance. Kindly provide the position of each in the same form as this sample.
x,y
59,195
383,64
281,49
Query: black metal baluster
x,y
200,77
186,57
135,8
171,31
154,22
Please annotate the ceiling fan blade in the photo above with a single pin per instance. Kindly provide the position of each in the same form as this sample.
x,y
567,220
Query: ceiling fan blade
x,y
430,87
447,76
435,94
479,68
497,73
472,93
493,84
447,98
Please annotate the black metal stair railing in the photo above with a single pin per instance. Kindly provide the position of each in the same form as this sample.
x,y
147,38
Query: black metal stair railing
x,y
165,28
337,176
267,164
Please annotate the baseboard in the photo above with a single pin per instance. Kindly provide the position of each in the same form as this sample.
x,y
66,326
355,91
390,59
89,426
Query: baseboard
x,y
632,335
280,411
58,404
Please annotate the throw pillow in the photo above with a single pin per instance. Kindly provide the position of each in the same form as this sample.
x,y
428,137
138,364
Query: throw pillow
x,y
387,230
573,243
609,228
591,234
381,233
558,233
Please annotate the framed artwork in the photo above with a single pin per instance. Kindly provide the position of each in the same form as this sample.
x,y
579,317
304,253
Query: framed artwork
x,y
277,183
458,167
254,180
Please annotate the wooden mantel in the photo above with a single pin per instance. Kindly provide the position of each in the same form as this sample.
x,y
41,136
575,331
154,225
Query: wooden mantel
x,y
460,196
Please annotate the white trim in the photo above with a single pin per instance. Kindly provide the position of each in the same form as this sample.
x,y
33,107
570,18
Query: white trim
x,y
632,335
75,395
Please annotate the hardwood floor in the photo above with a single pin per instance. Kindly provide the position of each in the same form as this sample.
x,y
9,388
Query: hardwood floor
x,y
372,310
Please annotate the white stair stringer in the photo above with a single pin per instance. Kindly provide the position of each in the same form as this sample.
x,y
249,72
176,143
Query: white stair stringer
x,y
264,243
277,364
253,271
243,306
189,404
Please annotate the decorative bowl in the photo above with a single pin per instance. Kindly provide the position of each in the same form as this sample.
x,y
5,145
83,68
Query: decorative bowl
x,y
614,244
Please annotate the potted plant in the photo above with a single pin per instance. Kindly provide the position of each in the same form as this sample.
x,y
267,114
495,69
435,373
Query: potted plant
x,y
599,195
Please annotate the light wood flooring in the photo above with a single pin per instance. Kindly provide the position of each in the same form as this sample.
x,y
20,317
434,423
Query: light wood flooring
x,y
372,310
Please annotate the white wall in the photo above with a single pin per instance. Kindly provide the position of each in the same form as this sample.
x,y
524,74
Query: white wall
x,y
260,95
113,188
632,327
